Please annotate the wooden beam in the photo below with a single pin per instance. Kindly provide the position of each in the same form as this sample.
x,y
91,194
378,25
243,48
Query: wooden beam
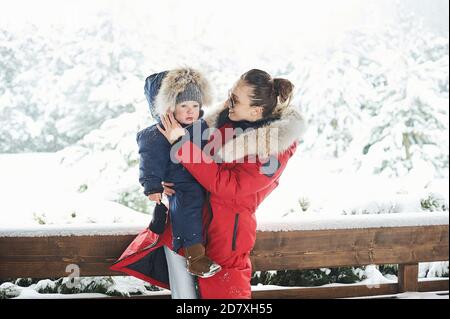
x,y
326,292
346,247
344,291
48,257
408,277
433,285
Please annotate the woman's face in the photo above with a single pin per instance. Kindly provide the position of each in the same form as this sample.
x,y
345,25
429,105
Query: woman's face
x,y
187,112
239,100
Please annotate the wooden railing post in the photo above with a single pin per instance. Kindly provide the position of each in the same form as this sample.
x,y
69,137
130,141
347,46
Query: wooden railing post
x,y
408,277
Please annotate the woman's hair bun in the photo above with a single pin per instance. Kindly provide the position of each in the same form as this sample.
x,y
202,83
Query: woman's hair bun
x,y
283,88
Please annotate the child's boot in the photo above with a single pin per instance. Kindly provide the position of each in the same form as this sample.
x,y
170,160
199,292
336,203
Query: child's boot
x,y
198,263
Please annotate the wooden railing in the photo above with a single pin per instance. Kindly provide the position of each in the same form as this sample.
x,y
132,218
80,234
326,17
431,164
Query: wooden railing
x,y
47,257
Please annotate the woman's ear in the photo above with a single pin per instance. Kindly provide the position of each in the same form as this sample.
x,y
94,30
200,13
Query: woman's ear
x,y
258,111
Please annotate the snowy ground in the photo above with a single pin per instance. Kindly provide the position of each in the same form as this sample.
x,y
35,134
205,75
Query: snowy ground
x,y
42,191
326,187
118,286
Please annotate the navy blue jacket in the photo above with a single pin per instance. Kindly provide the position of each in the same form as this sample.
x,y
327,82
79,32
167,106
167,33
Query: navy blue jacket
x,y
155,164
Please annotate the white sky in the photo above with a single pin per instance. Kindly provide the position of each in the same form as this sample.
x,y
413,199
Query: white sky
x,y
232,22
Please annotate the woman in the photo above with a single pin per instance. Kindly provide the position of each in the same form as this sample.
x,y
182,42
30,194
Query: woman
x,y
247,165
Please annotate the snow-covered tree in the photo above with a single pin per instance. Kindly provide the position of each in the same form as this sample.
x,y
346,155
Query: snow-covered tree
x,y
333,93
378,100
412,103
58,86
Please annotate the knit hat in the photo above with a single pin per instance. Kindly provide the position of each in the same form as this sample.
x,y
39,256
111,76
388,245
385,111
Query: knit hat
x,y
190,93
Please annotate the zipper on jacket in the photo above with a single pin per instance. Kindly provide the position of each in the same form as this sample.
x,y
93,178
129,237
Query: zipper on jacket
x,y
236,222
211,215
197,288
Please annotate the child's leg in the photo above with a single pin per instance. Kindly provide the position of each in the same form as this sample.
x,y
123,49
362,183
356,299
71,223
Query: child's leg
x,y
186,218
187,227
182,285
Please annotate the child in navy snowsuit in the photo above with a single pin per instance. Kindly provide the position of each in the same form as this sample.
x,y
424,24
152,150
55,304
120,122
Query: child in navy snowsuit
x,y
182,92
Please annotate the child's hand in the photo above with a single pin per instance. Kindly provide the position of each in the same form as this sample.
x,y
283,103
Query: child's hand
x,y
156,197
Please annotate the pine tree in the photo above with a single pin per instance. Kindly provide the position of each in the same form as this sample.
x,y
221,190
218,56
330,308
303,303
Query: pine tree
x,y
332,94
412,103
55,87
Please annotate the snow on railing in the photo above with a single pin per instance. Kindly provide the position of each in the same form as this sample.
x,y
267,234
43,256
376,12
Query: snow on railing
x,y
302,222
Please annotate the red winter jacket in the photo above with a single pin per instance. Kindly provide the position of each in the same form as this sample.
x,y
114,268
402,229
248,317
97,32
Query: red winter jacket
x,y
238,173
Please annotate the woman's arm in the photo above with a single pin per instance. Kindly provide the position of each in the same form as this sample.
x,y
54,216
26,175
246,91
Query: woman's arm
x,y
240,180
243,179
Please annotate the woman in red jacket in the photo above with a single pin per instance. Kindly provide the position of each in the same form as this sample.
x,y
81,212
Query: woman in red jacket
x,y
257,132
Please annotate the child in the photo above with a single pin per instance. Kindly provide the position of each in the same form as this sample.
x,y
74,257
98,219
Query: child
x,y
182,92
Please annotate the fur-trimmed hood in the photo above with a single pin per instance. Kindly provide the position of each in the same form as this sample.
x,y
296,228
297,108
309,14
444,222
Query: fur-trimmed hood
x,y
175,82
285,127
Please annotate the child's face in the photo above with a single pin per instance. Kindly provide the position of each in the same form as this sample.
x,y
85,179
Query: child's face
x,y
187,112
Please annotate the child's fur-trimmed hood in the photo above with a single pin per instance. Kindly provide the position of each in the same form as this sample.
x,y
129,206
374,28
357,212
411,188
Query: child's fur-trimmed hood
x,y
175,82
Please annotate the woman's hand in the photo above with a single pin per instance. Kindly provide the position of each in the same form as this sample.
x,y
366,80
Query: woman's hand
x,y
156,197
168,190
172,129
